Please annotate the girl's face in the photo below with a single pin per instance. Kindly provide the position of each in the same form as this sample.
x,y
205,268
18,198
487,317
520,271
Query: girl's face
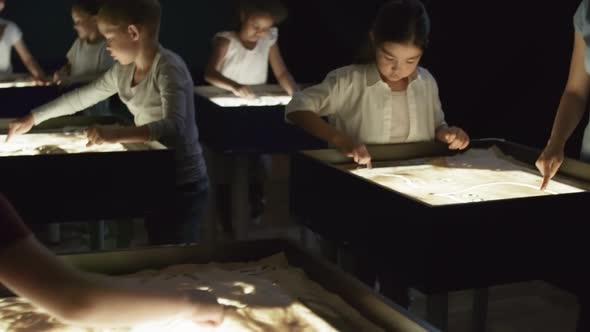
x,y
2,5
397,61
255,26
123,44
84,24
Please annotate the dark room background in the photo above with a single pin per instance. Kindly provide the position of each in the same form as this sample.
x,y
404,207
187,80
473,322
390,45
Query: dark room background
x,y
501,65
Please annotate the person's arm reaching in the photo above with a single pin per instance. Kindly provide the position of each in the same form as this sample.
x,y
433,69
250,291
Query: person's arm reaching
x,y
569,114
281,72
30,270
70,103
308,106
29,61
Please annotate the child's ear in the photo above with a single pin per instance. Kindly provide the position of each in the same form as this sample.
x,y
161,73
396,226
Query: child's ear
x,y
243,17
133,31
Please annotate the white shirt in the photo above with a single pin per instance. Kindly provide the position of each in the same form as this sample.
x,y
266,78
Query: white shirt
x,y
400,116
12,34
244,66
87,59
163,101
360,104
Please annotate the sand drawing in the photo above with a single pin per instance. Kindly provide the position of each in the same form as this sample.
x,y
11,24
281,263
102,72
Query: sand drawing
x,y
474,176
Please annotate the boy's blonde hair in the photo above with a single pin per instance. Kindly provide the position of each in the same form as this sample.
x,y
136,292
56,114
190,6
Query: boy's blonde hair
x,y
146,13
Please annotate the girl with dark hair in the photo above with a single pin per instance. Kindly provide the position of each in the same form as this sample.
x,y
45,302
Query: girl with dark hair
x,y
390,99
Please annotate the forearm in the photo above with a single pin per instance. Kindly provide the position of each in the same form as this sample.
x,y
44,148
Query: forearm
x,y
215,78
33,272
287,82
316,126
133,135
34,68
570,112
105,302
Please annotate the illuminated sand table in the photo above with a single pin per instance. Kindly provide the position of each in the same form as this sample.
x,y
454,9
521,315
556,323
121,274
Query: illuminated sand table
x,y
36,144
266,296
475,176
258,101
266,95
16,81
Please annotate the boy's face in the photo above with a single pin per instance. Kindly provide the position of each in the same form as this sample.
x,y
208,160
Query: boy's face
x,y
2,5
256,26
122,43
84,24
397,61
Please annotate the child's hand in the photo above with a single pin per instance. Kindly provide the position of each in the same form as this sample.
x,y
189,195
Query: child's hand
x,y
101,135
208,312
361,156
358,152
41,81
549,162
455,137
20,126
243,91
58,77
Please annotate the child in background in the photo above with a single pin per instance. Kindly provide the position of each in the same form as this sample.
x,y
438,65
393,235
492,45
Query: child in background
x,y
11,36
388,100
156,86
240,59
88,56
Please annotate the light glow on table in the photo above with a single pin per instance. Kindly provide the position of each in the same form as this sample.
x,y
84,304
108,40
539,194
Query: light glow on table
x,y
257,101
38,144
475,176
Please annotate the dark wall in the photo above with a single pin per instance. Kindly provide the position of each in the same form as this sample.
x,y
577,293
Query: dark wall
x,y
501,65
187,27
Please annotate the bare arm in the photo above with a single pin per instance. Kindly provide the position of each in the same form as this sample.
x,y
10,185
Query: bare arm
x,y
316,126
31,271
28,60
575,97
308,106
281,72
571,110
213,71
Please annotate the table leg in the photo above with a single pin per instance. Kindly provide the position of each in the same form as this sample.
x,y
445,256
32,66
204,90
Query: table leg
x,y
240,206
54,233
480,309
437,310
97,231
